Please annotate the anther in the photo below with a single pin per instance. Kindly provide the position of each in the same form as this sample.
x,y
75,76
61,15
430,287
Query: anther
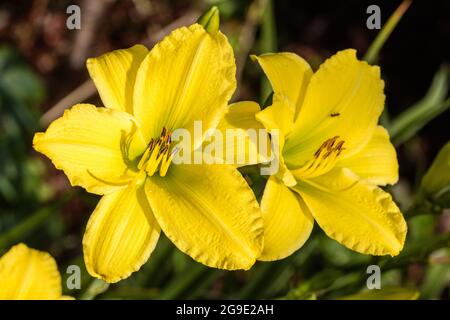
x,y
157,157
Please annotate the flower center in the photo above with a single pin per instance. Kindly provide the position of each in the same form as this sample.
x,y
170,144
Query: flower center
x,y
324,158
157,157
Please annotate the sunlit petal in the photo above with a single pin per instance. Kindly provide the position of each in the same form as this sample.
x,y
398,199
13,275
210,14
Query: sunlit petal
x,y
188,76
28,274
361,217
287,221
114,75
94,147
120,235
210,213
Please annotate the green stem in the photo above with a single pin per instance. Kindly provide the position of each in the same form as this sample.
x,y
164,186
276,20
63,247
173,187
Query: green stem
x,y
372,53
268,43
95,288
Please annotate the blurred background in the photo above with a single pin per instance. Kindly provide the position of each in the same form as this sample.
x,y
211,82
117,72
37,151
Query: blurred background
x,y
42,72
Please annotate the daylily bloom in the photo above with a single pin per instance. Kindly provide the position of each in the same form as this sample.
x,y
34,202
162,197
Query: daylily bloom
x,y
333,157
28,274
124,153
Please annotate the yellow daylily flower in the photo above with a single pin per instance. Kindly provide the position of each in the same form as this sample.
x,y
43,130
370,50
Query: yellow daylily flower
x,y
28,274
333,156
124,153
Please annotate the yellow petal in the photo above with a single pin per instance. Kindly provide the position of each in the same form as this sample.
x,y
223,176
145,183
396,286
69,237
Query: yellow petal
x,y
120,235
242,142
241,115
377,162
361,217
278,116
344,99
28,274
287,221
209,213
93,146
188,76
114,75
288,74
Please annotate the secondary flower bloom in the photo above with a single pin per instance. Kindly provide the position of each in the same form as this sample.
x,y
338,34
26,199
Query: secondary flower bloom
x,y
333,156
28,274
124,152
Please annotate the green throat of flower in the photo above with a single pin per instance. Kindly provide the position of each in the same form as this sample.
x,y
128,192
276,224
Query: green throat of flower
x,y
158,155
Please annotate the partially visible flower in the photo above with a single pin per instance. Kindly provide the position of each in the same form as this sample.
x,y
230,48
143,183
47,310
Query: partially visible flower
x,y
28,274
333,156
124,152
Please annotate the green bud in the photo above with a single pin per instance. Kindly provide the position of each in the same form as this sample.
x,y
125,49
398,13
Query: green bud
x,y
210,20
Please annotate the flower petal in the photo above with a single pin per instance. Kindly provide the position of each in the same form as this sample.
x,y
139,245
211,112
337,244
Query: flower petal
x,y
120,235
344,99
287,221
114,75
377,162
90,145
188,76
241,139
278,116
28,274
209,213
241,115
361,217
288,74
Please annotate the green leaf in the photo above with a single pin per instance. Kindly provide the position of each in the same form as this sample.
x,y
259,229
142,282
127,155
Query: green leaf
x,y
436,181
20,177
373,52
18,80
339,256
408,123
394,293
319,282
268,43
437,275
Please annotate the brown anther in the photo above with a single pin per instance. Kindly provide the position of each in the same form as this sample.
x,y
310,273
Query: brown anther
x,y
328,147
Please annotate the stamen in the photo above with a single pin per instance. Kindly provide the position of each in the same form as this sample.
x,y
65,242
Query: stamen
x,y
157,156
324,158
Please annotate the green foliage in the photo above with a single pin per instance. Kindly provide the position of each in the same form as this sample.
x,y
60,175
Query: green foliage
x,y
437,275
436,182
322,269
21,185
268,43
386,294
408,123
